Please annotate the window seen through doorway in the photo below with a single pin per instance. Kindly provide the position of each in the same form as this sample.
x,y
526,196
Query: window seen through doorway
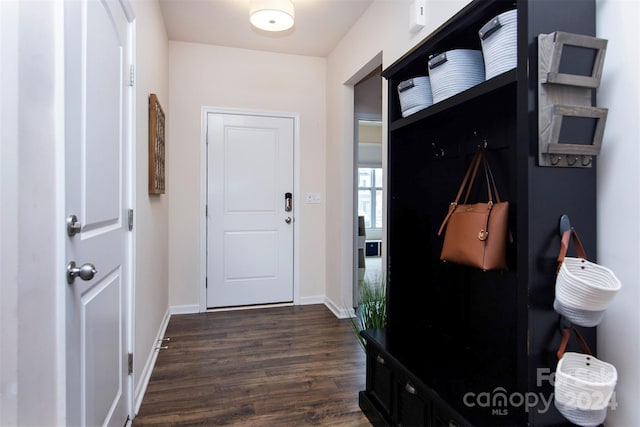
x,y
370,196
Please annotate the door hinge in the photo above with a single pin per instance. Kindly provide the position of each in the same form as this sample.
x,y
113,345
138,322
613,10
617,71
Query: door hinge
x,y
130,219
131,74
206,211
130,363
206,283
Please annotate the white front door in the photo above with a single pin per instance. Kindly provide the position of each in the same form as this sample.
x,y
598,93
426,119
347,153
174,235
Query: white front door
x,y
249,229
98,191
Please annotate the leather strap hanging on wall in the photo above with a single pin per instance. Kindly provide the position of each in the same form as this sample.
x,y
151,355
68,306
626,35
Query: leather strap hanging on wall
x,y
566,334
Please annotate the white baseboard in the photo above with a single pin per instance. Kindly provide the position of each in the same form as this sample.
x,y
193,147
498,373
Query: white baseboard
x,y
184,309
141,387
338,311
318,299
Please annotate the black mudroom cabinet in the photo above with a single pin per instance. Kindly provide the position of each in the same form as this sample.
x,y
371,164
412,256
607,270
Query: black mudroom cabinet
x,y
463,346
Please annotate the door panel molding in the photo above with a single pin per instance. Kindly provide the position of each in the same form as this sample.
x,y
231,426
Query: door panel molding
x,y
205,111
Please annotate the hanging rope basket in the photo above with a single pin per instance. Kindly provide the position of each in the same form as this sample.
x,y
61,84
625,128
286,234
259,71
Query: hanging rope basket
x,y
583,384
583,289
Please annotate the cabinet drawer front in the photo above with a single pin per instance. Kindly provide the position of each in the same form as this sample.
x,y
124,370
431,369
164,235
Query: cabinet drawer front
x,y
380,380
412,410
444,418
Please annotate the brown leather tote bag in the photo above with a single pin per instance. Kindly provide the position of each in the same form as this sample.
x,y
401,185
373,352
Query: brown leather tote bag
x,y
476,234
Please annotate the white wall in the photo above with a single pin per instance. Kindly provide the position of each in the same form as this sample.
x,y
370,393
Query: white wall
x,y
203,75
618,201
382,28
151,211
32,390
8,214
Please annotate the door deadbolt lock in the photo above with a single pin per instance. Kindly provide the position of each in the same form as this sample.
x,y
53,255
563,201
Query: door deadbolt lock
x,y
288,202
73,225
85,272
288,220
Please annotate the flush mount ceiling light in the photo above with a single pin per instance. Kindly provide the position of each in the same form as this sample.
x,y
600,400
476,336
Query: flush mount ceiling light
x,y
272,15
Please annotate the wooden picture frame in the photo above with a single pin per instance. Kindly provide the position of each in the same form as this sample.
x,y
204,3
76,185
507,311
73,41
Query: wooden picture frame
x,y
156,146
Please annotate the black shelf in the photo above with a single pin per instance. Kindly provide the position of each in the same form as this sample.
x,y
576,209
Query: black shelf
x,y
461,31
477,91
453,330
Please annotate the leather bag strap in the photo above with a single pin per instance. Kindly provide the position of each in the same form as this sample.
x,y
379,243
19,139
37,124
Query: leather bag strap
x,y
469,178
490,178
564,245
452,208
566,333
477,159
487,174
492,189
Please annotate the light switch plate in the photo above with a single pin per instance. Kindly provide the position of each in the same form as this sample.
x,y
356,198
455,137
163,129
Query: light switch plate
x,y
313,198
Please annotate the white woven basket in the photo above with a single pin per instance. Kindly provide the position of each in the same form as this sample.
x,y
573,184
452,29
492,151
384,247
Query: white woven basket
x,y
584,285
415,95
583,388
582,417
587,318
499,38
455,71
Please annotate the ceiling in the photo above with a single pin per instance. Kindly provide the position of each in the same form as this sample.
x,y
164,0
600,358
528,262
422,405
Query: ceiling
x,y
319,25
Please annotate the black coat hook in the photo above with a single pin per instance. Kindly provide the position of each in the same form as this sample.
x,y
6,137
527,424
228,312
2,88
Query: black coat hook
x,y
484,141
437,151
565,224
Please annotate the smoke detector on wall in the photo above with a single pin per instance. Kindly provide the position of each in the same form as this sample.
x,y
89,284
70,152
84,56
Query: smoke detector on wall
x,y
416,15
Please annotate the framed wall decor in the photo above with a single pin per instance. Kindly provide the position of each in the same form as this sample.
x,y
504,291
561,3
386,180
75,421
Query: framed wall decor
x,y
156,147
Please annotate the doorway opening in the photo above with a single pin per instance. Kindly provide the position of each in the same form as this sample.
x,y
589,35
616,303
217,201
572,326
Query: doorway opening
x,y
369,181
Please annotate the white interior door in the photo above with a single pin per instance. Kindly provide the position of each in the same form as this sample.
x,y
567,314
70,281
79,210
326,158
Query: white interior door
x,y
249,229
97,112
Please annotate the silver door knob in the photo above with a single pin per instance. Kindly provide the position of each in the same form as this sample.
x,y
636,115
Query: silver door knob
x,y
85,272
288,220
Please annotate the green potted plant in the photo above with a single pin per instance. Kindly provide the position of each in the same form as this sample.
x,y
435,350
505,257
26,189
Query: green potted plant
x,y
371,312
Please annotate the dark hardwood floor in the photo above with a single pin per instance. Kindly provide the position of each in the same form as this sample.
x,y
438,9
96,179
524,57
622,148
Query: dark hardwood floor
x,y
281,366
